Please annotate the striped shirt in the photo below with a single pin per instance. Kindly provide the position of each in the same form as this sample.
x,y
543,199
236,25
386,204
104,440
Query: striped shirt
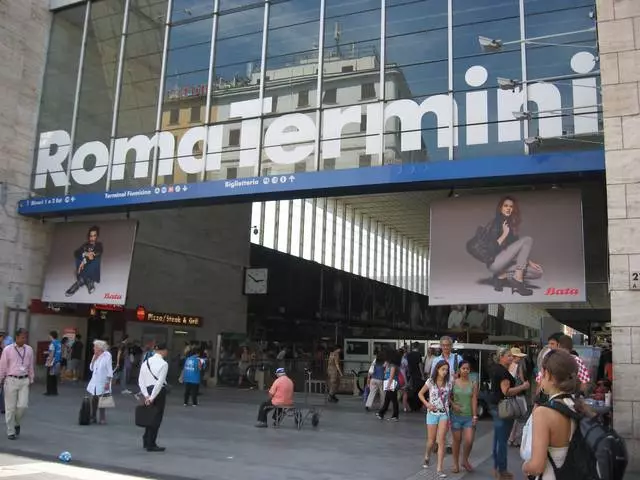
x,y
583,372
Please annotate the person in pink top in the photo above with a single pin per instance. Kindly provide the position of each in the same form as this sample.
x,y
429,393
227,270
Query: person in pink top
x,y
16,375
281,393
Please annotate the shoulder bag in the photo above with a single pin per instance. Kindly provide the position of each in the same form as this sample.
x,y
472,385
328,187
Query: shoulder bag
x,y
481,245
512,407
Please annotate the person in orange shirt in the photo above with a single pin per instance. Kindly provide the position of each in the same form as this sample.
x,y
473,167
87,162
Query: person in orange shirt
x,y
281,393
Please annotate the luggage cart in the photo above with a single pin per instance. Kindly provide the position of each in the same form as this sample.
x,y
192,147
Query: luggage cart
x,y
310,410
307,412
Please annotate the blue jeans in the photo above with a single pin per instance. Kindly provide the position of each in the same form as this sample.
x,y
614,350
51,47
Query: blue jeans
x,y
501,431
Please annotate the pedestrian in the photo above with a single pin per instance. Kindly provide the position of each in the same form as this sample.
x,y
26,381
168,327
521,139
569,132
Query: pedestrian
x,y
376,379
517,371
334,372
280,395
191,378
152,383
553,430
101,375
502,385
54,359
76,357
464,416
64,357
2,337
16,375
390,385
124,364
439,388
453,359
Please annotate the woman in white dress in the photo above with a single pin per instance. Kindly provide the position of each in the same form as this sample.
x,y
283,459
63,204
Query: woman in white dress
x,y
549,432
101,375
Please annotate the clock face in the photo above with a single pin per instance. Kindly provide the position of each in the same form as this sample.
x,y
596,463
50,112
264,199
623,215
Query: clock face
x,y
255,281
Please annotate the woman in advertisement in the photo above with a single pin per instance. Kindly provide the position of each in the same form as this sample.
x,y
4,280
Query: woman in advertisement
x,y
510,261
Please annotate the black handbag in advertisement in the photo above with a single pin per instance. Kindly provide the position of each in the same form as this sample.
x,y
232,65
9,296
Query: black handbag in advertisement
x,y
146,416
481,246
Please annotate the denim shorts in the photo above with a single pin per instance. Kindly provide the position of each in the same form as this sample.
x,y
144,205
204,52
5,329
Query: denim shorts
x,y
436,418
460,422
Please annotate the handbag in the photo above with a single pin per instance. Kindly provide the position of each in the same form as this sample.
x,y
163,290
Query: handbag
x,y
146,416
106,401
512,407
525,443
481,245
390,385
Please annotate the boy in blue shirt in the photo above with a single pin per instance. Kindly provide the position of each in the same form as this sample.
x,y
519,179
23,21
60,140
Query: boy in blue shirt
x,y
191,378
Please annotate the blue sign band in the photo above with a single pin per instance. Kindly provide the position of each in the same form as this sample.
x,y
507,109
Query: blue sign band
x,y
304,183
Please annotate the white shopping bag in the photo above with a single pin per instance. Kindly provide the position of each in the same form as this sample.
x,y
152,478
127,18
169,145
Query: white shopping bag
x,y
525,444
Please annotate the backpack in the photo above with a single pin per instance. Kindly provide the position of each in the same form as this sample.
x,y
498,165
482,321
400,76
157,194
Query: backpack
x,y
595,451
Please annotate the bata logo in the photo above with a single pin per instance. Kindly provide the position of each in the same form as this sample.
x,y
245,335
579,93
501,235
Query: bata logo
x,y
112,296
562,291
290,138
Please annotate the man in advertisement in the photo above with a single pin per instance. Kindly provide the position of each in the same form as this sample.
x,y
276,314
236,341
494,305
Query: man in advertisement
x,y
87,262
16,375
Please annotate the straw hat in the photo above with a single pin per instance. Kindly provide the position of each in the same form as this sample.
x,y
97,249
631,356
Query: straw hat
x,y
516,352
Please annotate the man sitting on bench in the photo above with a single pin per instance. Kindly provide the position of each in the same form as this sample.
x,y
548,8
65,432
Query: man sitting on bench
x,y
281,393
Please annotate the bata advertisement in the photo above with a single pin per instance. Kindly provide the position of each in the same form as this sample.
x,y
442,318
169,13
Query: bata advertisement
x,y
90,262
525,247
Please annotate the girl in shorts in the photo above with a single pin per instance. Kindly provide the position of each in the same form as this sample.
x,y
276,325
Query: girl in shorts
x,y
439,389
464,416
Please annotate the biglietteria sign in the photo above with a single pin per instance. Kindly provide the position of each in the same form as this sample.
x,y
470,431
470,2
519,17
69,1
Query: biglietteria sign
x,y
291,138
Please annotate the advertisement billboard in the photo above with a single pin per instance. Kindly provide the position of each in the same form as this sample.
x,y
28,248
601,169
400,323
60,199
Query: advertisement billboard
x,y
524,247
90,262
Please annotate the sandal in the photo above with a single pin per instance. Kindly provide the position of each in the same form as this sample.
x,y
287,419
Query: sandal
x,y
467,466
455,470
426,462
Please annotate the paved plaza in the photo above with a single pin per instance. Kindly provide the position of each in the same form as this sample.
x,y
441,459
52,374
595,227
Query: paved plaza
x,y
218,441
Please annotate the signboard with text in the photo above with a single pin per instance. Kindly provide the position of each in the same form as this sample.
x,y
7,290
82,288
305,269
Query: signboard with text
x,y
324,182
175,319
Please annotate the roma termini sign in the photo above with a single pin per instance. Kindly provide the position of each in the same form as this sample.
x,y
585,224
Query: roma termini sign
x,y
291,138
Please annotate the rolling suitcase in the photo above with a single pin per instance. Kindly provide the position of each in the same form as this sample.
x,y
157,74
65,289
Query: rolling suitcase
x,y
84,418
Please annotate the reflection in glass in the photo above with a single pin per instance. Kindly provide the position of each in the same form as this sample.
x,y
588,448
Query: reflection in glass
x,y
56,104
97,93
291,74
351,78
139,91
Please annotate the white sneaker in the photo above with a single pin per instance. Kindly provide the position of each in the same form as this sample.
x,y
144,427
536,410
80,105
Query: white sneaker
x,y
126,391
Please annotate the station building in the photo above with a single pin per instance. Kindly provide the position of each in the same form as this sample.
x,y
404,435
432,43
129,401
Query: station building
x,y
329,150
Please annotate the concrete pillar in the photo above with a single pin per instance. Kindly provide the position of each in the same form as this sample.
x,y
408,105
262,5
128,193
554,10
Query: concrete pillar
x,y
619,38
25,27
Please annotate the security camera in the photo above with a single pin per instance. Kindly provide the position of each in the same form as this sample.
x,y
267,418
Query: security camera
x,y
533,141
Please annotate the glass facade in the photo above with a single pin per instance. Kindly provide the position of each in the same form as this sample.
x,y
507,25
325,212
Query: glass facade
x,y
146,92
